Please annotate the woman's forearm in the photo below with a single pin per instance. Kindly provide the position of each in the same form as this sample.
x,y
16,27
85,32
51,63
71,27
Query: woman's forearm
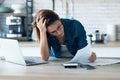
x,y
44,50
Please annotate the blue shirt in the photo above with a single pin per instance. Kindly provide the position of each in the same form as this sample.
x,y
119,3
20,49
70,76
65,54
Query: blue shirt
x,y
75,38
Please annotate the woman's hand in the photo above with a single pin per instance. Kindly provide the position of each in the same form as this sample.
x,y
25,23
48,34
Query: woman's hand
x,y
44,49
92,58
41,24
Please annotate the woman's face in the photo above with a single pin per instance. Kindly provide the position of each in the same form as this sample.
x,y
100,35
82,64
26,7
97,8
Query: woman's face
x,y
56,29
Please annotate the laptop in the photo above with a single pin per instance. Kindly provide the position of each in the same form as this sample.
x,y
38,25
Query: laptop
x,y
12,53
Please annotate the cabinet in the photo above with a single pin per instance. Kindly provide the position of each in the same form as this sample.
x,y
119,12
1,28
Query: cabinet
x,y
30,51
111,52
112,49
107,51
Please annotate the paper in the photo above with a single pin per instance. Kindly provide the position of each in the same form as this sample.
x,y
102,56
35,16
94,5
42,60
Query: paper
x,y
82,55
102,62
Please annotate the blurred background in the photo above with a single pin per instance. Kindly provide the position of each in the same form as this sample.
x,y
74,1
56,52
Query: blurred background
x,y
96,15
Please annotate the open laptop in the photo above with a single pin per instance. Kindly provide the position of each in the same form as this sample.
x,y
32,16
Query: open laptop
x,y
11,51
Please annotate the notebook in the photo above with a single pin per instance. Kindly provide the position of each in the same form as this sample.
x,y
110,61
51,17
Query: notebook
x,y
12,53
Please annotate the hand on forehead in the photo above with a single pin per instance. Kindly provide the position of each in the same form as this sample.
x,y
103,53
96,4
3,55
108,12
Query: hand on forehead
x,y
40,19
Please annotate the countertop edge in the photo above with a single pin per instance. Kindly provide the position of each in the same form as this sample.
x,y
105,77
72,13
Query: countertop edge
x,y
35,44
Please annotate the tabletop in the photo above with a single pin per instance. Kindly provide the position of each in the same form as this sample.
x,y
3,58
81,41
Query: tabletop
x,y
54,70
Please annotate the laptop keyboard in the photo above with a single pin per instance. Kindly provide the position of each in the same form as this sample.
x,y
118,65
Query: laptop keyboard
x,y
29,61
32,60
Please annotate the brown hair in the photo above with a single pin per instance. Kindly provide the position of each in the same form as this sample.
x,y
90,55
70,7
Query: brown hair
x,y
49,15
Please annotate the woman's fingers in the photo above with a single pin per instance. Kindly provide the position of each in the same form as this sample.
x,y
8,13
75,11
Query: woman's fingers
x,y
92,58
41,24
44,23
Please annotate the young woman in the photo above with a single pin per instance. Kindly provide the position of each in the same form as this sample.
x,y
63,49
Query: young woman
x,y
52,32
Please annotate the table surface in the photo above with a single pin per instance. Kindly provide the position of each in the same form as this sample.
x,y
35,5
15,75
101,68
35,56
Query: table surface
x,y
54,70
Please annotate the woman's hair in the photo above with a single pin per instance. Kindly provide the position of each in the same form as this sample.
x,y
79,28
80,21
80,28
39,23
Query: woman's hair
x,y
47,14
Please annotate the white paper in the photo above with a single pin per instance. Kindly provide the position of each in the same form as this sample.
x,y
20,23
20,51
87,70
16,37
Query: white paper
x,y
82,55
102,62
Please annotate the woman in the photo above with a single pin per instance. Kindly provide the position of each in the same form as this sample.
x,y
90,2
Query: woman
x,y
52,32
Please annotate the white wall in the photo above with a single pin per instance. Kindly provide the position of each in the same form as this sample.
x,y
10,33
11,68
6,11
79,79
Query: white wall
x,y
93,14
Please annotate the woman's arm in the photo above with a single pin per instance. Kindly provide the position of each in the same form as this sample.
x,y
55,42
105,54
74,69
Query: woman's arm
x,y
81,40
44,49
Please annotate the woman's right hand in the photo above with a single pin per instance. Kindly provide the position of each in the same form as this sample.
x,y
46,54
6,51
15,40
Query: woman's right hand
x,y
44,49
92,58
41,24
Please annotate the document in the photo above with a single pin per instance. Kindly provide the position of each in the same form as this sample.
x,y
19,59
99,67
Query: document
x,y
83,55
103,61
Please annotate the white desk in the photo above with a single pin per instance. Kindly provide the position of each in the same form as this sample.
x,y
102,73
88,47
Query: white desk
x,y
55,71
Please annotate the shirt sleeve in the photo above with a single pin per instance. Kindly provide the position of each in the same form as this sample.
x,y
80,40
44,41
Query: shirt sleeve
x,y
54,47
79,37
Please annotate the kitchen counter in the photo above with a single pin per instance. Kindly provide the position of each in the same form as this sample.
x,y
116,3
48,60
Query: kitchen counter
x,y
28,44
109,44
35,44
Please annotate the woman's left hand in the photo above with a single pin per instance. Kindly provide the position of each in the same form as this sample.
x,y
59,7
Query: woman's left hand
x,y
92,58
